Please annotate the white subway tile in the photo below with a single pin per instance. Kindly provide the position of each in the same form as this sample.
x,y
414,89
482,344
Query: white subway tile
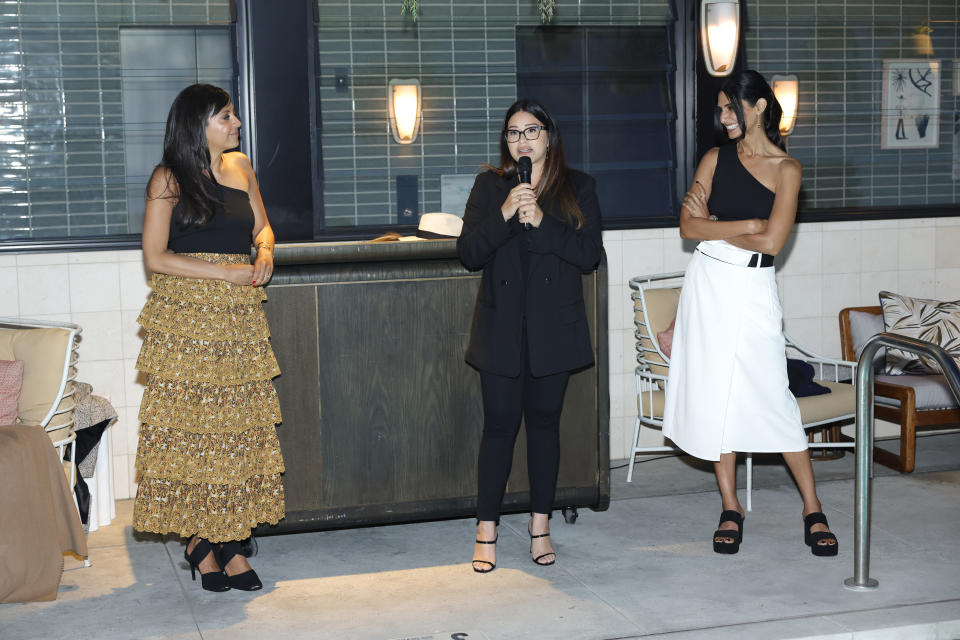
x,y
948,247
830,337
642,257
839,291
918,248
134,383
802,254
95,287
133,285
892,223
840,251
677,253
801,296
872,283
9,295
948,284
38,259
614,251
93,257
105,375
844,225
643,234
121,477
918,283
806,331
101,337
131,334
879,249
44,289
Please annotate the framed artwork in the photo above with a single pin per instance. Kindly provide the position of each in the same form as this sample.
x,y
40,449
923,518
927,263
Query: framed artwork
x,y
910,117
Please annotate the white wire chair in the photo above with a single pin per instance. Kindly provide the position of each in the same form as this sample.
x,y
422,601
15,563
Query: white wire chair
x,y
58,421
655,300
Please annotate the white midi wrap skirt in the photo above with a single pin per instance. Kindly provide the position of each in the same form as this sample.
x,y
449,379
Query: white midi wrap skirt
x,y
727,387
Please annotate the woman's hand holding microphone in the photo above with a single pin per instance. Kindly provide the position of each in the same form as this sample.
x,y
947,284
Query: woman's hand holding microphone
x,y
522,202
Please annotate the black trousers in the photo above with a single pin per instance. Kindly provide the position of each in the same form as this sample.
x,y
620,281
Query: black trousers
x,y
539,401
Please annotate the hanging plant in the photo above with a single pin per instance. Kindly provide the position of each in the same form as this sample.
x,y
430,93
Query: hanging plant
x,y
546,7
411,6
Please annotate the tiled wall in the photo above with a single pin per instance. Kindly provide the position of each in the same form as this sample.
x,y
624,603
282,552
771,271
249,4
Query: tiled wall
x,y
836,50
828,266
102,292
61,115
464,54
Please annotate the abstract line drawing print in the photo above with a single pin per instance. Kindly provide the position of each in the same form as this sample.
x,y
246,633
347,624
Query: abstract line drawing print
x,y
910,117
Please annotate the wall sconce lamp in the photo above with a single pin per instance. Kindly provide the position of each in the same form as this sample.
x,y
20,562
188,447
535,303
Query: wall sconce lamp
x,y
786,88
403,98
719,34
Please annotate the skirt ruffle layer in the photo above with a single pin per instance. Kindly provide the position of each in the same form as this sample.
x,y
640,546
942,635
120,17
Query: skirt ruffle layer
x,y
219,513
208,459
196,408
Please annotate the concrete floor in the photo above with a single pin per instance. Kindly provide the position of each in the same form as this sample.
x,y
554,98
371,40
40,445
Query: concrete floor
x,y
644,568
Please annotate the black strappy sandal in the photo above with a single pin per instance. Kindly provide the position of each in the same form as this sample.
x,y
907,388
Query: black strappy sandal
x,y
821,543
211,580
246,581
727,540
493,565
542,555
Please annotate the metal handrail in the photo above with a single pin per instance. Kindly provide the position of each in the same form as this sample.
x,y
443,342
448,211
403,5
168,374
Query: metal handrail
x,y
861,580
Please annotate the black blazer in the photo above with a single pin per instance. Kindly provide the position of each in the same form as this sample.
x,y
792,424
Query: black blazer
x,y
552,296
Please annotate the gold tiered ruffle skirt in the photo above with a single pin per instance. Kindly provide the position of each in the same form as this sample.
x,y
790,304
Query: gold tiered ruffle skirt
x,y
208,459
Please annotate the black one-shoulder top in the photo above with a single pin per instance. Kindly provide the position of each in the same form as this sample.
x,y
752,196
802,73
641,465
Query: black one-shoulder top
x,y
736,194
230,230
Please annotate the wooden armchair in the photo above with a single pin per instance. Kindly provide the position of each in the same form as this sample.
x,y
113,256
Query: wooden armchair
x,y
911,401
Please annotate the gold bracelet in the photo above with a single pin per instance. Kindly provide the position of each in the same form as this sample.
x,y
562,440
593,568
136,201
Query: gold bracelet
x,y
265,246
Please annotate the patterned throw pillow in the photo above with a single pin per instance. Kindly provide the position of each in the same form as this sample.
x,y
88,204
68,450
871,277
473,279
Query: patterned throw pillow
x,y
929,320
11,377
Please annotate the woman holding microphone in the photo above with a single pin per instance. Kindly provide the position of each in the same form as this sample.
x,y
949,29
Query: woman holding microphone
x,y
533,240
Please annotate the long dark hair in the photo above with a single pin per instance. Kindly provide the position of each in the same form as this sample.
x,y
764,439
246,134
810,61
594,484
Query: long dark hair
x,y
749,86
554,188
186,154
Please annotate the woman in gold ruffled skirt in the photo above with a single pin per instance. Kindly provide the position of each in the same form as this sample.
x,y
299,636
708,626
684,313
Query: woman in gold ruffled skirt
x,y
208,459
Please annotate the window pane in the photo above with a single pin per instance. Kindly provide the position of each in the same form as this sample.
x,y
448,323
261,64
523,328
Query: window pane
x,y
69,160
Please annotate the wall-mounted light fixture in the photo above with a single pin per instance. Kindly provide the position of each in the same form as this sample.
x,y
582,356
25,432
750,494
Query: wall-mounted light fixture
x,y
787,88
403,98
719,34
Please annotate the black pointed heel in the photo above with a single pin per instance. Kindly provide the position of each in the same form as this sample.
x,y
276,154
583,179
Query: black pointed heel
x,y
493,565
212,580
246,581
728,540
542,555
829,546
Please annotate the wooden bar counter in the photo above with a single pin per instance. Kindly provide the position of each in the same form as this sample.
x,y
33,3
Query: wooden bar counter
x,y
381,415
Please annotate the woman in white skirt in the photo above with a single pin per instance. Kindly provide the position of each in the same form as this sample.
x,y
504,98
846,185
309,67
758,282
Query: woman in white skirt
x,y
727,390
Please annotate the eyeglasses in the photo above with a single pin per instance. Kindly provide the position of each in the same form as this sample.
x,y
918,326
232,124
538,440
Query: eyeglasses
x,y
530,133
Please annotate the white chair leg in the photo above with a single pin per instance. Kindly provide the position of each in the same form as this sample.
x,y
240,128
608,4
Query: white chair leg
x,y
633,449
749,482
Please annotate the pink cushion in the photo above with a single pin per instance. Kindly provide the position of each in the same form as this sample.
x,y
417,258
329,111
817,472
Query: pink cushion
x,y
11,377
665,338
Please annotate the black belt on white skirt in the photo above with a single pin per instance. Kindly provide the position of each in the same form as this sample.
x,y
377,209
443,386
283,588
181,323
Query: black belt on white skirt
x,y
756,260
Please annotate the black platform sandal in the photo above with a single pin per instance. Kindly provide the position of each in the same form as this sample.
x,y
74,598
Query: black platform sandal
x,y
728,540
821,543
212,580
493,565
542,555
246,581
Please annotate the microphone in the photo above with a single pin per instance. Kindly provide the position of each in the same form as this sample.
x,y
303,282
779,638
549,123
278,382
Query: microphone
x,y
524,169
